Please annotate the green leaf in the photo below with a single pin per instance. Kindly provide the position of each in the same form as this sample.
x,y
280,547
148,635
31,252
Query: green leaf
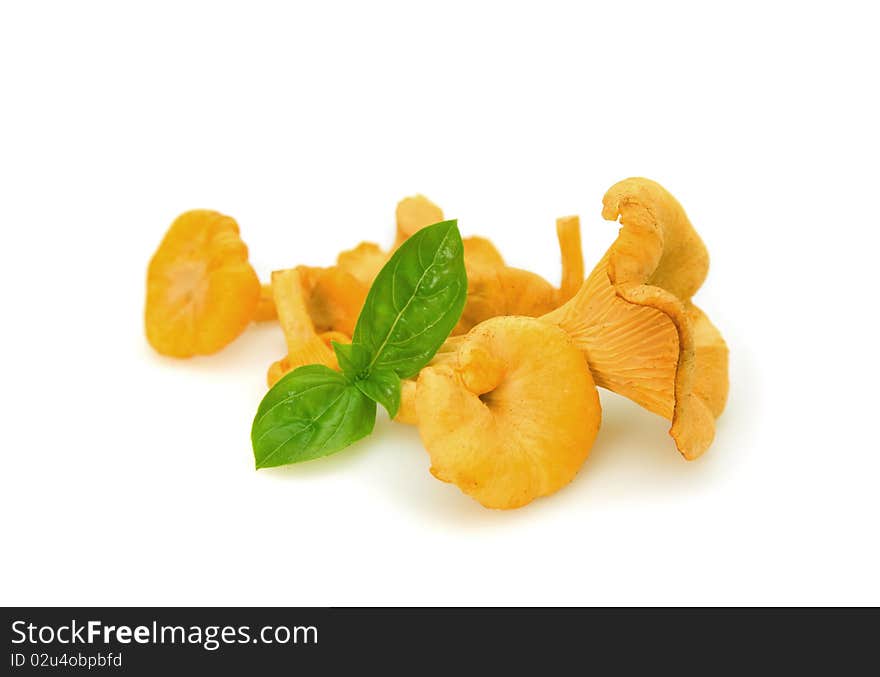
x,y
382,386
311,412
412,307
415,301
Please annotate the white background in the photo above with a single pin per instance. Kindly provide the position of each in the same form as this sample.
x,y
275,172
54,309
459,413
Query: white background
x,y
128,478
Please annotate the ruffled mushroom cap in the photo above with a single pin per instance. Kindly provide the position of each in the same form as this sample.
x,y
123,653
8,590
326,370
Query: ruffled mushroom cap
x,y
710,380
480,252
363,262
201,290
304,344
634,320
413,214
512,416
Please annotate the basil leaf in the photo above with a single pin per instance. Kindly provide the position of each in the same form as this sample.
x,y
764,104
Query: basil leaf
x,y
411,309
311,412
415,301
382,386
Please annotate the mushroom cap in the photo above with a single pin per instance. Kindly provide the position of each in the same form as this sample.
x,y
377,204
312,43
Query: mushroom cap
x,y
495,291
363,262
413,214
711,382
480,252
513,416
201,290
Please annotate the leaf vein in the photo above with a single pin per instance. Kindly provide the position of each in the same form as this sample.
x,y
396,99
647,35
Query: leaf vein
x,y
410,300
287,399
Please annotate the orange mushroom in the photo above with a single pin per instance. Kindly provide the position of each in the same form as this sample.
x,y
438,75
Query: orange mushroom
x,y
201,290
501,422
634,319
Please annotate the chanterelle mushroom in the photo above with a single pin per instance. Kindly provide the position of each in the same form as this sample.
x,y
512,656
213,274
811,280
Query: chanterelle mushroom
x,y
634,319
201,290
512,416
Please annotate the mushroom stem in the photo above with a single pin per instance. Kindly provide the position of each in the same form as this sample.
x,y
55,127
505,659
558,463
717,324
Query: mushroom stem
x,y
304,344
568,232
266,311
